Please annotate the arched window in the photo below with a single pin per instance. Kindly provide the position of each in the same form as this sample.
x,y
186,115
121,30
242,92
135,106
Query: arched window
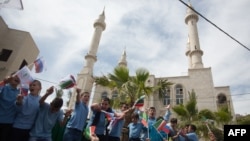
x,y
166,98
114,94
179,94
104,94
221,98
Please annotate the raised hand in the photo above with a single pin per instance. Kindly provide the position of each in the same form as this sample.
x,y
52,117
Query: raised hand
x,y
50,90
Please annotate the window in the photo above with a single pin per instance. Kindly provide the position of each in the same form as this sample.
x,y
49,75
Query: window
x,y
24,63
104,94
5,55
179,94
166,99
221,99
114,94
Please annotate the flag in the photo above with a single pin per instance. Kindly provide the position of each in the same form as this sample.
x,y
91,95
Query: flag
x,y
24,76
139,102
16,4
112,124
157,123
144,118
24,89
2,83
165,129
89,131
109,116
67,82
39,65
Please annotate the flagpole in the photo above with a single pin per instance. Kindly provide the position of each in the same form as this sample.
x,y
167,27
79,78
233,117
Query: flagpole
x,y
208,127
159,133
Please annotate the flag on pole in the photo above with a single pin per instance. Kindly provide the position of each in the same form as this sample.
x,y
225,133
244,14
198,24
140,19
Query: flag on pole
x,y
164,127
39,65
139,102
109,116
157,123
16,4
112,124
24,89
144,118
24,76
67,82
2,83
89,131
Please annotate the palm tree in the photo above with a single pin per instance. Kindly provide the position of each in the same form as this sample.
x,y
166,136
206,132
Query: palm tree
x,y
129,88
162,86
189,111
203,119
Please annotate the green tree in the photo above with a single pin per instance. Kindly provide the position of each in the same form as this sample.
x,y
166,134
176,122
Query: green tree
x,y
243,120
203,119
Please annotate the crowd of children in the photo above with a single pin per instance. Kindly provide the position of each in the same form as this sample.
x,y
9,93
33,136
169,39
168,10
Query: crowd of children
x,y
30,118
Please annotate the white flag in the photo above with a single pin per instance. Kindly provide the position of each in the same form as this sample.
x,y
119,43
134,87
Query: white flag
x,y
16,4
25,76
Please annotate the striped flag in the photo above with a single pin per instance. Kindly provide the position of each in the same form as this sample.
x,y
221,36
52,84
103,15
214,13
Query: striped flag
x,y
139,102
89,131
164,127
144,118
16,4
2,83
109,116
39,65
67,82
112,124
157,123
24,89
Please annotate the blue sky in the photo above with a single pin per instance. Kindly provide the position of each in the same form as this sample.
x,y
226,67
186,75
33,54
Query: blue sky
x,y
153,32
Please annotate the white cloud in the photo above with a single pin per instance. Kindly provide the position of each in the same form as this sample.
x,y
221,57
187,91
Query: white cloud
x,y
153,33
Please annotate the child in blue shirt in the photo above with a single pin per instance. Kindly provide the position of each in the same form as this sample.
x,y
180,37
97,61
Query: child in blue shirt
x,y
27,109
8,94
76,123
47,117
117,124
135,128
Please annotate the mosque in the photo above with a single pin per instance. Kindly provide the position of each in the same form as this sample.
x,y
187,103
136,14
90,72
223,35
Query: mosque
x,y
198,78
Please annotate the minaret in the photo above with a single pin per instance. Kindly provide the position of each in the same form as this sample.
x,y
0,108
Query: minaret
x,y
85,78
123,60
193,52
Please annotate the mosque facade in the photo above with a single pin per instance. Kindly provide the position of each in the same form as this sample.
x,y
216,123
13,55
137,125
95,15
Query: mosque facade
x,y
198,78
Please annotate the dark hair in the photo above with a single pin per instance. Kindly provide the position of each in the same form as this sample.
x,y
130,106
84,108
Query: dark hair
x,y
57,102
152,108
173,120
98,113
193,127
39,82
135,116
84,93
106,99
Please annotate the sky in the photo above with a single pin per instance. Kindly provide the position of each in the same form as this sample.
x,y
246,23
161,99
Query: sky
x,y
153,33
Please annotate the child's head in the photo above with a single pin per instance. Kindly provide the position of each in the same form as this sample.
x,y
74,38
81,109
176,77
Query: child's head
x,y
135,117
151,112
14,80
173,122
191,128
124,107
35,87
56,104
105,103
85,97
